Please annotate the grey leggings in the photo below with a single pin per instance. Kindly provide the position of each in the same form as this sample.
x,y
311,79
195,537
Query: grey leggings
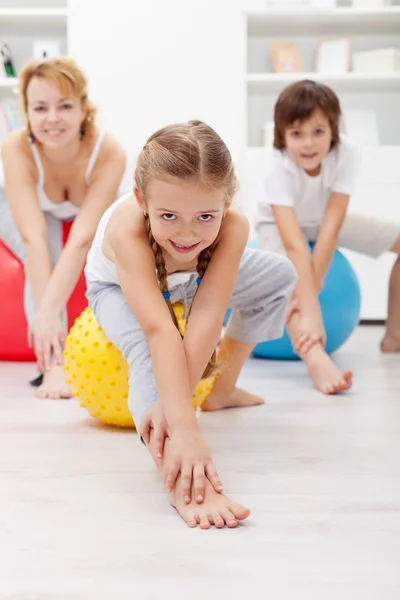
x,y
10,236
259,302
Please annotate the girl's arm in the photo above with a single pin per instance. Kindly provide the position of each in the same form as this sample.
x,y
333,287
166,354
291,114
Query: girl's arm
x,y
22,198
188,454
134,261
293,240
212,298
102,191
326,243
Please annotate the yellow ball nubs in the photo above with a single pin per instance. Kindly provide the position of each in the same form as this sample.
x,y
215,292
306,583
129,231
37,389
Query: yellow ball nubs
x,y
98,373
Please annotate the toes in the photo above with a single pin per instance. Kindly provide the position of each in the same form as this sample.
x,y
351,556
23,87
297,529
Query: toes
x,y
239,512
204,521
191,521
229,518
217,520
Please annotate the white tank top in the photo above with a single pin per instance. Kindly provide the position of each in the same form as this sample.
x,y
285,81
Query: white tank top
x,y
101,269
65,211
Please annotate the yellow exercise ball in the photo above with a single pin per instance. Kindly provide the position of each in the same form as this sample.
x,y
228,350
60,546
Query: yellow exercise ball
x,y
98,373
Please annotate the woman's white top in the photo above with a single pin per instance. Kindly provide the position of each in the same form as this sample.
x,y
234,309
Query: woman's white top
x,y
64,211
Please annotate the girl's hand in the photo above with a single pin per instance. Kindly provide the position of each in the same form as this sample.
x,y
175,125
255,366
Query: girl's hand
x,y
189,455
310,331
46,334
154,421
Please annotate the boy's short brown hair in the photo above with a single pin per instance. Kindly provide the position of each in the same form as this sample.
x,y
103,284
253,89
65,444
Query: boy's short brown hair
x,y
298,101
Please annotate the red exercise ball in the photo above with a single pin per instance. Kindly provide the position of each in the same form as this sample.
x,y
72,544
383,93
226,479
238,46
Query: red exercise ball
x,y
13,325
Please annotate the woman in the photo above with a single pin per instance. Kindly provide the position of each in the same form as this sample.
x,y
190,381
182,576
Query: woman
x,y
59,168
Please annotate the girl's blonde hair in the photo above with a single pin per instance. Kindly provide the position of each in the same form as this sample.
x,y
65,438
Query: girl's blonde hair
x,y
68,77
192,152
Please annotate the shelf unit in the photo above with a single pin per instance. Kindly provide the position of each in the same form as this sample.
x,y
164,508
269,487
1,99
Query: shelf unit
x,y
15,15
268,82
8,83
22,22
325,21
366,28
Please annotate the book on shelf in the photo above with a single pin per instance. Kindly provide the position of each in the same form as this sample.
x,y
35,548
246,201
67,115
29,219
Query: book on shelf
x,y
10,117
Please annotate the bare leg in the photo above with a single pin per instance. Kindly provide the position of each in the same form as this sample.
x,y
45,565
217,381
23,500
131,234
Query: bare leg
x,y
391,339
324,374
216,509
54,385
225,394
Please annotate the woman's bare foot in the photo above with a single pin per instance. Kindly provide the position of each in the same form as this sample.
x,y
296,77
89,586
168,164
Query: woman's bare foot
x,y
325,375
390,343
236,398
54,385
216,509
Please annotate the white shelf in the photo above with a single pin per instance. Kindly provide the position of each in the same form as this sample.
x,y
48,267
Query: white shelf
x,y
9,82
354,82
323,21
16,15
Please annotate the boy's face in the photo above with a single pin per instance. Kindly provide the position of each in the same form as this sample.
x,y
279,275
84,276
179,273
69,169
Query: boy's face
x,y
309,142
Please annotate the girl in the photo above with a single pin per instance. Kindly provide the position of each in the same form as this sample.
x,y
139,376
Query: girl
x,y
59,168
178,238
306,192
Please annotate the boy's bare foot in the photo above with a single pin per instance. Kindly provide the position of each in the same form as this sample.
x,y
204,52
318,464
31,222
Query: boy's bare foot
x,y
54,385
325,375
216,509
236,398
390,343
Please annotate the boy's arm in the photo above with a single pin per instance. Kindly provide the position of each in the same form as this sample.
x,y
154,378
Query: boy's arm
x,y
212,299
293,240
325,246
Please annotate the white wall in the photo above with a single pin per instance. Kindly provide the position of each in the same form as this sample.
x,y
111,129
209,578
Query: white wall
x,y
154,62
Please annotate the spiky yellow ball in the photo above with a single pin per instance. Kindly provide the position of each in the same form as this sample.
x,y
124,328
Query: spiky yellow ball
x,y
98,373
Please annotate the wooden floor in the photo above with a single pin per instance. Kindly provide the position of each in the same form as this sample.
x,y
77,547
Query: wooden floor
x,y
83,514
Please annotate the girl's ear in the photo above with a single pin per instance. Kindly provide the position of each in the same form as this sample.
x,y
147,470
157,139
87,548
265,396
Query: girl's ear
x,y
139,198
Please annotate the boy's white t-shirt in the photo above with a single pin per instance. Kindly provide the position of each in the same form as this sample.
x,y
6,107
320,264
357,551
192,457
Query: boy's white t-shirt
x,y
286,184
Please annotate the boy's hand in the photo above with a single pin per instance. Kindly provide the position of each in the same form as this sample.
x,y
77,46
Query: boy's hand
x,y
154,420
189,455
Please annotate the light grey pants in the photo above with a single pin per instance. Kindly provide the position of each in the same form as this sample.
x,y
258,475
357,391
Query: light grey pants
x,y
259,303
10,236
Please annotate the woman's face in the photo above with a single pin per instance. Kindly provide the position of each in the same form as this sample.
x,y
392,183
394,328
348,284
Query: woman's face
x,y
54,119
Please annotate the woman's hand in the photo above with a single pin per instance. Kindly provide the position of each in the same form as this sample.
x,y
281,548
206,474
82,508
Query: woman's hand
x,y
189,455
46,334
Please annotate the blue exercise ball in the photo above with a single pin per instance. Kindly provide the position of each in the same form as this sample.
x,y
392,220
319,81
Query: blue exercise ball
x,y
340,302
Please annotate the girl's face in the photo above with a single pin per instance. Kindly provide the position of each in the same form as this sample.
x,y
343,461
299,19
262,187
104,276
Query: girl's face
x,y
55,120
185,218
309,142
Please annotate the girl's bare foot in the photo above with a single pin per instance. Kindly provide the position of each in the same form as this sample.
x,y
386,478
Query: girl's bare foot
x,y
325,375
219,399
390,343
54,385
216,509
